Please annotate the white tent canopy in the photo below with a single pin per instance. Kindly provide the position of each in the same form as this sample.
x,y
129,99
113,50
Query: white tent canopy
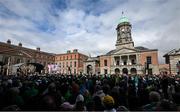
x,y
16,66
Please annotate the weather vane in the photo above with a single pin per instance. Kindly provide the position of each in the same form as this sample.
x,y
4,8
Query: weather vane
x,y
122,13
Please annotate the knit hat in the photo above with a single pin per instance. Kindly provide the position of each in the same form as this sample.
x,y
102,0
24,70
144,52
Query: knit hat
x,y
108,100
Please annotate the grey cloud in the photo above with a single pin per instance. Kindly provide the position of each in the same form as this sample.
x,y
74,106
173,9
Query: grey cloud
x,y
155,25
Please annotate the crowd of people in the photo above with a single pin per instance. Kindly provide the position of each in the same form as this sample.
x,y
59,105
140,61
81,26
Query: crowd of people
x,y
90,92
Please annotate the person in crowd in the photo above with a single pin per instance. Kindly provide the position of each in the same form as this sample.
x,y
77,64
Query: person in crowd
x,y
62,92
74,92
166,105
108,103
79,105
98,92
154,98
98,105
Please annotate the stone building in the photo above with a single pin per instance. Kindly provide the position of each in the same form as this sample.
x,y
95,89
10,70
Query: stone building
x,y
173,59
92,65
126,58
70,62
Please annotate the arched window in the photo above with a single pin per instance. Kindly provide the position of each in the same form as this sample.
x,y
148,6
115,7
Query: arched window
x,y
75,64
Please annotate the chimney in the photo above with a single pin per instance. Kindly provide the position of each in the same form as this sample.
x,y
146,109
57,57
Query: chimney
x,y
75,50
8,41
68,51
38,49
20,44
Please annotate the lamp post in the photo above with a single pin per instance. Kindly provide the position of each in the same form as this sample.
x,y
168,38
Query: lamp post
x,y
8,66
178,67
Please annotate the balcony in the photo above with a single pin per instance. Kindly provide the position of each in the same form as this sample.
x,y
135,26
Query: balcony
x,y
126,66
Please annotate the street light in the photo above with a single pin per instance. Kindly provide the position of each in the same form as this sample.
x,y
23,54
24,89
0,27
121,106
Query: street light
x,y
178,67
8,66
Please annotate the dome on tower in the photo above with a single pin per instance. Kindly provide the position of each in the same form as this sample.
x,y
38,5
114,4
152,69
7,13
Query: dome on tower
x,y
123,19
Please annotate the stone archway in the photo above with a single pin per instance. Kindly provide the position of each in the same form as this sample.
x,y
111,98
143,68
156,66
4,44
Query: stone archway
x,y
133,71
89,69
117,71
125,71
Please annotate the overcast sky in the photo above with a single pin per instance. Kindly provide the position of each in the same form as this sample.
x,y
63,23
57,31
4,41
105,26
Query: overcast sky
x,y
89,25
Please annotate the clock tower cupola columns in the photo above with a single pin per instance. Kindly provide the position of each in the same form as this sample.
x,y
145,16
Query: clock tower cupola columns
x,y
124,38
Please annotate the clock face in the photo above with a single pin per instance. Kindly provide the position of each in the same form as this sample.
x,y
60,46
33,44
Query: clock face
x,y
122,29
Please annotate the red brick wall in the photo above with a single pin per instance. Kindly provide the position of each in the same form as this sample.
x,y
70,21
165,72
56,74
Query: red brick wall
x,y
154,57
78,57
102,58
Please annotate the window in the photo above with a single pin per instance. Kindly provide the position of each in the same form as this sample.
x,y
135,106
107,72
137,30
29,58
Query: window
x,y
75,56
70,64
105,62
105,71
71,56
63,64
124,63
133,62
148,60
67,57
66,64
74,71
60,65
75,64
117,62
28,61
6,60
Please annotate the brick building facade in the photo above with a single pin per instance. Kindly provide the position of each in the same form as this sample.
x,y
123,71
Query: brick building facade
x,y
70,62
13,54
20,54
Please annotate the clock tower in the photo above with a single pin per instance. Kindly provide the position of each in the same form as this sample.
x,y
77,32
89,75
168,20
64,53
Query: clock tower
x,y
124,38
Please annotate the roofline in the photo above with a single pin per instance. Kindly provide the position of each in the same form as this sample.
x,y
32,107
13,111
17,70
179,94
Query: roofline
x,y
12,45
170,55
71,53
105,55
148,50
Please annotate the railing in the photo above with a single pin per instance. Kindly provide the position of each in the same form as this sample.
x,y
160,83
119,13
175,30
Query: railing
x,y
134,65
